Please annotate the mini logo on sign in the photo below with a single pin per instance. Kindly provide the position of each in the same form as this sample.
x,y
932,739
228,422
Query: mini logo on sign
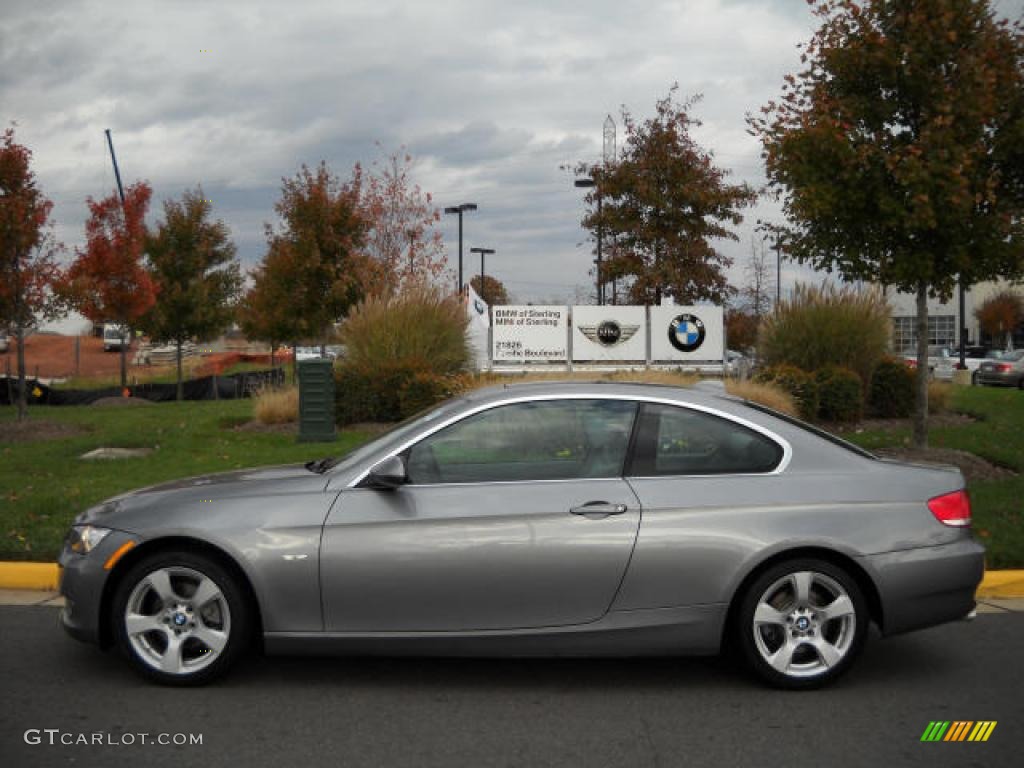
x,y
686,332
609,333
479,306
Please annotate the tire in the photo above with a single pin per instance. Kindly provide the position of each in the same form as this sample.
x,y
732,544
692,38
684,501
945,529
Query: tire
x,y
205,639
974,379
774,624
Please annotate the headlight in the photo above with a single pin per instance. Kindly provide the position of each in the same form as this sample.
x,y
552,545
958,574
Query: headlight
x,y
83,539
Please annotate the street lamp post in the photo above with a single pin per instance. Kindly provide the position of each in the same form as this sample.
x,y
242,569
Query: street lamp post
x,y
600,284
460,209
483,252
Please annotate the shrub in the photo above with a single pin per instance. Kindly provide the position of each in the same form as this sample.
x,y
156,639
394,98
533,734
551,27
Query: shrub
x,y
277,406
373,392
425,389
939,394
798,383
420,323
770,395
840,394
828,325
891,394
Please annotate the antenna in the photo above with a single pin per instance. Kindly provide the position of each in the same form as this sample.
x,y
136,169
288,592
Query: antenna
x,y
609,140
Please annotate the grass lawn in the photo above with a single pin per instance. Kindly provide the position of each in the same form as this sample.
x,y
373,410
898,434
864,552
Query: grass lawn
x,y
43,484
998,436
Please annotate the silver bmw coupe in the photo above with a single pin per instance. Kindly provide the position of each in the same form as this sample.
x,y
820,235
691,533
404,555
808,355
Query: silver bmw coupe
x,y
536,519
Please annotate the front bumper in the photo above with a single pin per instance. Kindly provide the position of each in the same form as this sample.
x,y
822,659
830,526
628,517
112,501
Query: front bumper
x,y
82,583
927,586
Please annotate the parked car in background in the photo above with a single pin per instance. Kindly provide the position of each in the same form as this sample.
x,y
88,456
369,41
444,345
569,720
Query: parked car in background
x,y
114,337
737,364
508,522
314,353
1006,371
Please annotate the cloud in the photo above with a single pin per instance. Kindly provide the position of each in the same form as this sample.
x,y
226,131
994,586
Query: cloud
x,y
490,97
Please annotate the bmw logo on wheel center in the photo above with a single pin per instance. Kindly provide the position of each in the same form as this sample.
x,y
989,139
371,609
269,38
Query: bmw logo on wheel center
x,y
686,332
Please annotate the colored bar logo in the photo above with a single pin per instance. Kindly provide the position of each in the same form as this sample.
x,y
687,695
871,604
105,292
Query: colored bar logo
x,y
958,730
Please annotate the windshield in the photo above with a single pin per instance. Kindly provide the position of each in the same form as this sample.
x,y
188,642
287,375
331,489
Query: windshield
x,y
393,436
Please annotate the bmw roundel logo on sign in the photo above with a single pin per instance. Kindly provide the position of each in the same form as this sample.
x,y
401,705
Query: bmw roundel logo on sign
x,y
686,332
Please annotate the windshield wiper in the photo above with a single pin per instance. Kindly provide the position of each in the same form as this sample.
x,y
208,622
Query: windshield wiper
x,y
320,465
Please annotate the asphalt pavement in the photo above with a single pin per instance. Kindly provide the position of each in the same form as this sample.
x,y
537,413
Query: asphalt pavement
x,y
427,712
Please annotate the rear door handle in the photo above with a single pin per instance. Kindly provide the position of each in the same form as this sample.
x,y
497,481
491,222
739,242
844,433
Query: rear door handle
x,y
599,509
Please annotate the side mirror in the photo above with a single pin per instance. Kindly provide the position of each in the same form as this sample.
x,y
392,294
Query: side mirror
x,y
387,475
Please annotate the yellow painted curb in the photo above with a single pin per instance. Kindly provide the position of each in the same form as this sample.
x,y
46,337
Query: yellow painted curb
x,y
1002,584
45,576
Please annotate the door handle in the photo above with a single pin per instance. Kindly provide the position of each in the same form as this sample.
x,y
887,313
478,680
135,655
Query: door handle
x,y
599,509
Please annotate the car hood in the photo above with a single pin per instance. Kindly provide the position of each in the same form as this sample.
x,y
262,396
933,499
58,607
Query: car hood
x,y
129,510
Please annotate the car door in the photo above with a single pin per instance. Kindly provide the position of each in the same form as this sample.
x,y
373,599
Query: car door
x,y
515,516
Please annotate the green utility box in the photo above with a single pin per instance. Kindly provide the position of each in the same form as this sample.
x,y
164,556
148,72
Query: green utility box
x,y
316,401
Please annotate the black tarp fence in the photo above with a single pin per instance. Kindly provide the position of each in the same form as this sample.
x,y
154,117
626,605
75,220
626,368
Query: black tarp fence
x,y
231,387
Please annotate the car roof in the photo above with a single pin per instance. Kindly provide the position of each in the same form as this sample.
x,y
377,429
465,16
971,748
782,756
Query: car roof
x,y
710,393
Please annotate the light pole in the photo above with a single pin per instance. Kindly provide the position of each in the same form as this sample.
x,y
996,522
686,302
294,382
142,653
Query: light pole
x,y
460,209
483,252
587,182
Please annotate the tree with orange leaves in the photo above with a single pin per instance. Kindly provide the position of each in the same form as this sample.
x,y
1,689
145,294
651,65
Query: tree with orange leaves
x,y
1001,314
108,282
28,265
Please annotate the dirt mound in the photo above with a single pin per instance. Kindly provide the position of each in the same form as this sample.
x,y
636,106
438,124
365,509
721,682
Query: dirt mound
x,y
32,430
122,401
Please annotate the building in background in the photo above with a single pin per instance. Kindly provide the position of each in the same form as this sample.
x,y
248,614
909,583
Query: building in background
x,y
944,319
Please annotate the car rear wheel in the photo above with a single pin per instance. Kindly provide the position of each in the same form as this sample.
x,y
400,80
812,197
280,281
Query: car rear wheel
x,y
801,624
181,618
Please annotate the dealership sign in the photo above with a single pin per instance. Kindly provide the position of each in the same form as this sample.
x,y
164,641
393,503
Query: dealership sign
x,y
524,334
613,334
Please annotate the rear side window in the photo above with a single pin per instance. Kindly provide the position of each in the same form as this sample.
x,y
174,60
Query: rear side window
x,y
673,440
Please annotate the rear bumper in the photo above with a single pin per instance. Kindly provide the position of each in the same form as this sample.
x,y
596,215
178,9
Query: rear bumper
x,y
927,586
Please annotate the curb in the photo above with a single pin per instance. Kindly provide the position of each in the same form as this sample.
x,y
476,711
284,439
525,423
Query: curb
x,y
46,576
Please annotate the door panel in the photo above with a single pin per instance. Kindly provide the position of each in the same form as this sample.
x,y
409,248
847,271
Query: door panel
x,y
475,556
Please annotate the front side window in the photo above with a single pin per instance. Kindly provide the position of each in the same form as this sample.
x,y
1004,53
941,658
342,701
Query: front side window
x,y
681,441
538,440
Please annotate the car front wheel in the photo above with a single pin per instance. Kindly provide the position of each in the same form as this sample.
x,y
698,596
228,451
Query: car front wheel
x,y
181,618
802,623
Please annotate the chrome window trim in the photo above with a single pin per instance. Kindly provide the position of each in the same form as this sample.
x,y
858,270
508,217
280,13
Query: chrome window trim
x,y
787,449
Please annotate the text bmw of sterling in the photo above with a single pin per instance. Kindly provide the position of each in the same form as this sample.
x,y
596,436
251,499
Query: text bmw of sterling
x,y
546,519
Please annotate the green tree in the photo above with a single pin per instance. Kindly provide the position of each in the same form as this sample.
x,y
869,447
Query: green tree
x,y
320,237
197,277
662,204
898,150
266,311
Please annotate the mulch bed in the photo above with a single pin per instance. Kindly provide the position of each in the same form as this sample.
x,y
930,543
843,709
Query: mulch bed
x,y
32,430
948,419
973,467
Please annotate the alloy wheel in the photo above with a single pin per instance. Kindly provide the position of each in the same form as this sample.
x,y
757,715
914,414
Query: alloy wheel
x,y
177,620
804,624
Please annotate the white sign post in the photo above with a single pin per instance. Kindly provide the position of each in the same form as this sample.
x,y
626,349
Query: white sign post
x,y
687,334
525,334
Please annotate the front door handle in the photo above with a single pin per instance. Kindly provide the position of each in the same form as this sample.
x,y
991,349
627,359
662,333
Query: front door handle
x,y
599,509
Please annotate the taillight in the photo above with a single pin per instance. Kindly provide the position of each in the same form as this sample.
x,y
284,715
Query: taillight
x,y
953,509
1003,367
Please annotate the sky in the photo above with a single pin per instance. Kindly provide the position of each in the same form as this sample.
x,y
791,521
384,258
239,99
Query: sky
x,y
492,99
